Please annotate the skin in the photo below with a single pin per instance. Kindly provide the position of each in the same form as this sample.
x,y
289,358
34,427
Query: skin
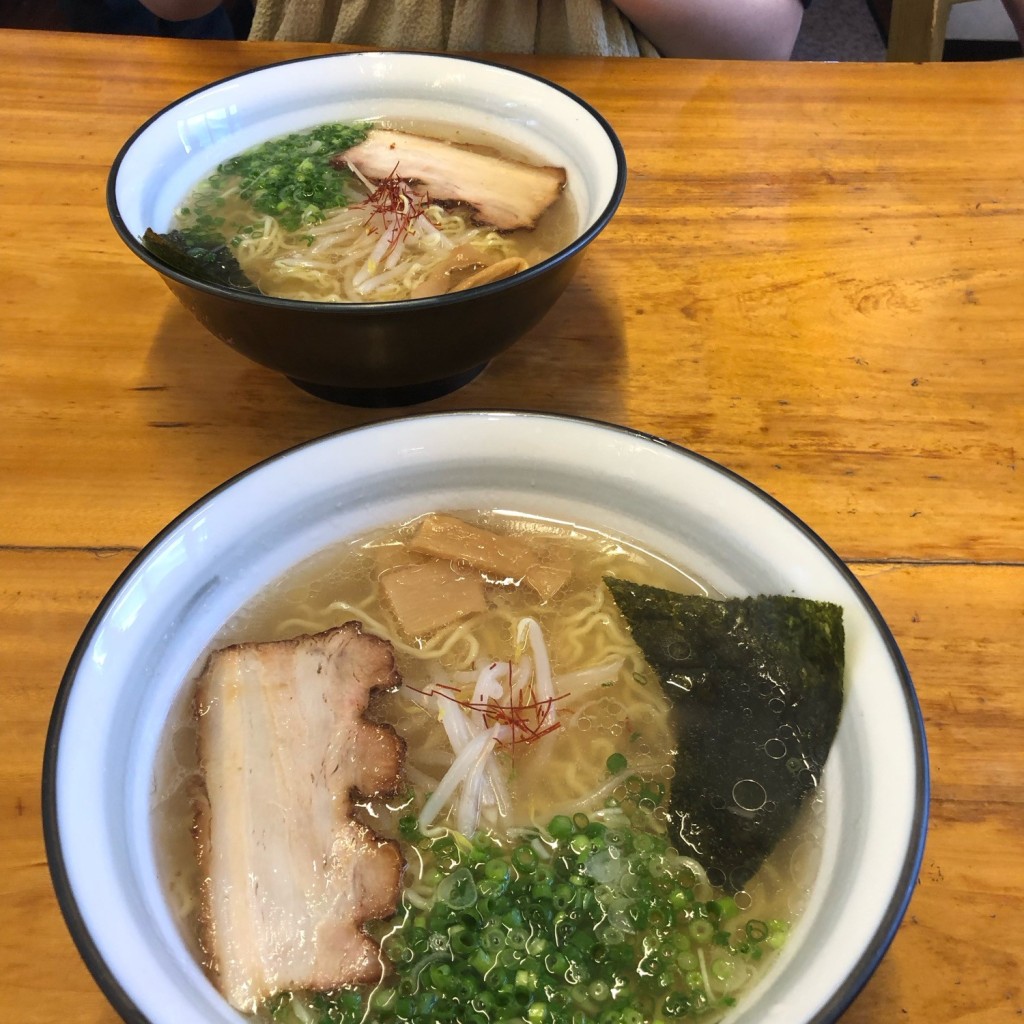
x,y
747,29
737,29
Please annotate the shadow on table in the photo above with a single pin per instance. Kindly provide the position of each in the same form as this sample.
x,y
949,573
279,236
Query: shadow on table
x,y
572,362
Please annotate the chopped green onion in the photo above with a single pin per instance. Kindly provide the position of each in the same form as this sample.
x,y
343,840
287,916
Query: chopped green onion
x,y
458,890
510,934
560,826
524,858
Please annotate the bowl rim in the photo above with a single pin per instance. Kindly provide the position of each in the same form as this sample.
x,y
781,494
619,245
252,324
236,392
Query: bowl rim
x,y
895,909
369,308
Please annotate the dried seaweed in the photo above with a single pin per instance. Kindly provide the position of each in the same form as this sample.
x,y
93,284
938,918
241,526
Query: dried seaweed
x,y
209,260
758,684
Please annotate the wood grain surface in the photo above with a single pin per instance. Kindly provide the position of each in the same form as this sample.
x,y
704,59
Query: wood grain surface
x,y
816,277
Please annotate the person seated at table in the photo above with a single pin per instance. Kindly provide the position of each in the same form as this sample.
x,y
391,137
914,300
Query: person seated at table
x,y
745,29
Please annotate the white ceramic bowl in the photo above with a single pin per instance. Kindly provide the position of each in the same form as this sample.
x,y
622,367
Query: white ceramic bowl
x,y
130,664
370,353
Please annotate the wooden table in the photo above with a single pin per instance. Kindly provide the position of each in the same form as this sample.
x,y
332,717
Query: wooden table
x,y
816,277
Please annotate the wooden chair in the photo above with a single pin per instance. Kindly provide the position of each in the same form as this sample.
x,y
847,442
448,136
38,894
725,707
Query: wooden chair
x,y
917,29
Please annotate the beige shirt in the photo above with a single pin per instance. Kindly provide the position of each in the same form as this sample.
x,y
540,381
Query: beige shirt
x,y
565,27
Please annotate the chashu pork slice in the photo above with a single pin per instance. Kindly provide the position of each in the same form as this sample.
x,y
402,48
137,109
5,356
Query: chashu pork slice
x,y
290,878
505,193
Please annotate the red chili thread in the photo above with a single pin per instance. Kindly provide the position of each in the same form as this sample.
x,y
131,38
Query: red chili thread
x,y
394,197
525,719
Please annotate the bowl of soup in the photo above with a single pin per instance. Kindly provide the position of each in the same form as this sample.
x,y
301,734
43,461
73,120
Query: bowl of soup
x,y
485,715
375,226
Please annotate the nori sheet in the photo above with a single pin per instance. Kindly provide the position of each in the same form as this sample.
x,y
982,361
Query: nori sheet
x,y
209,260
758,684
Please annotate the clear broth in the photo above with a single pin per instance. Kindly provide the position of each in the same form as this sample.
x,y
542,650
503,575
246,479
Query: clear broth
x,y
291,264
628,715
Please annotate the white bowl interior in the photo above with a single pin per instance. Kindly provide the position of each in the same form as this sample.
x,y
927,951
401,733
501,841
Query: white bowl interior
x,y
185,142
132,662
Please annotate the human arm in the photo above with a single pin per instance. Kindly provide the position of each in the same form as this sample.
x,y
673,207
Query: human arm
x,y
739,29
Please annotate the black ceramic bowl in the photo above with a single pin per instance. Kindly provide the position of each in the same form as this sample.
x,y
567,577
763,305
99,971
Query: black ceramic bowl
x,y
370,353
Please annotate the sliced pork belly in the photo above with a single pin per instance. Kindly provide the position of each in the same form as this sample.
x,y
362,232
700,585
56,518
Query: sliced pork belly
x,y
290,877
505,193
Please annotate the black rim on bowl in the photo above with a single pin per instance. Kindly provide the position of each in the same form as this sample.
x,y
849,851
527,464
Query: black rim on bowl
x,y
845,992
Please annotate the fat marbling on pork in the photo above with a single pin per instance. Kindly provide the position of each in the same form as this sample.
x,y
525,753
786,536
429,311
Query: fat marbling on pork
x,y
289,876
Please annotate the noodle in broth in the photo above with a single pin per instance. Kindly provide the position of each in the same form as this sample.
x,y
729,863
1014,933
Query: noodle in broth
x,y
358,248
606,764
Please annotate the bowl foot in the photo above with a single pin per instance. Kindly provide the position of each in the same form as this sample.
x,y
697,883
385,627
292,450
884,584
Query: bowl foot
x,y
378,398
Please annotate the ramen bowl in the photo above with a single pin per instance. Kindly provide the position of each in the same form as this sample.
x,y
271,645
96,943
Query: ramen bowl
x,y
131,666
370,353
